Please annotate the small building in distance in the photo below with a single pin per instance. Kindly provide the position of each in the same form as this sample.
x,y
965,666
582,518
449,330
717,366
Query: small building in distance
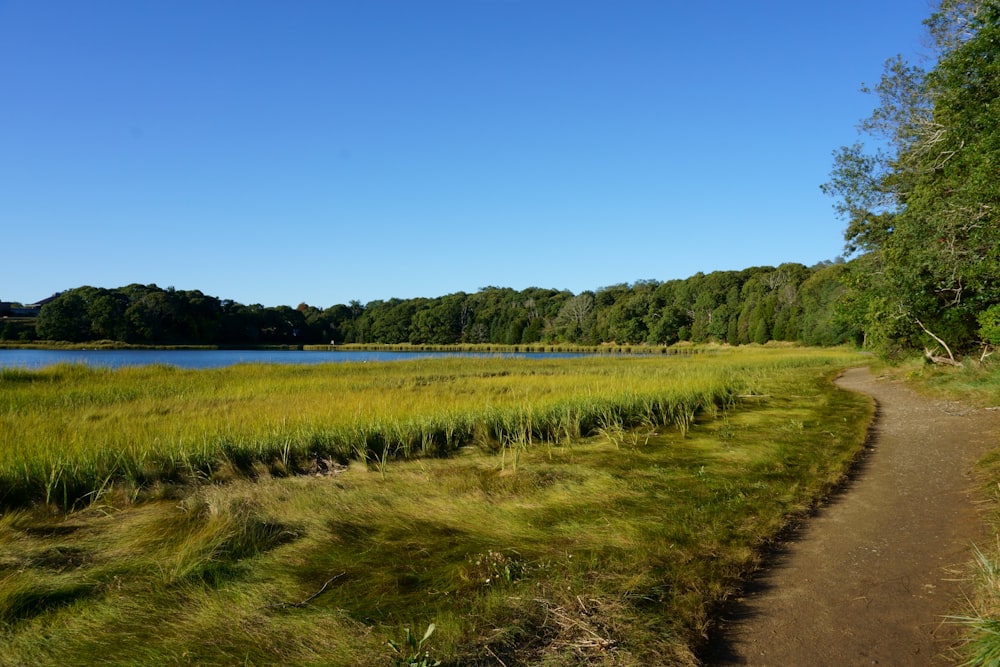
x,y
12,309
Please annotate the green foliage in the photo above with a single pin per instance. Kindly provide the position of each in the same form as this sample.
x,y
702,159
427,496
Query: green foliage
x,y
411,652
64,318
925,206
989,325
736,307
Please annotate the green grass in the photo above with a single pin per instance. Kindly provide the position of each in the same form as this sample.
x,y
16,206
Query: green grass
x,y
980,622
601,538
980,619
70,434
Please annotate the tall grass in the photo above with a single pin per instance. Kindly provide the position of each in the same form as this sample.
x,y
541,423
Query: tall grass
x,y
69,434
609,549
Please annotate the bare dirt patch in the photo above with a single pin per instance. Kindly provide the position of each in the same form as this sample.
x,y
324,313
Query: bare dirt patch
x,y
871,578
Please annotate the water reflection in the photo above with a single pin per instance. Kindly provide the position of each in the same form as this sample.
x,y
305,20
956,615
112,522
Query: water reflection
x,y
34,359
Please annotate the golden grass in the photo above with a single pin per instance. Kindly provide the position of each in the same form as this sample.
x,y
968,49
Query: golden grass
x,y
611,549
70,433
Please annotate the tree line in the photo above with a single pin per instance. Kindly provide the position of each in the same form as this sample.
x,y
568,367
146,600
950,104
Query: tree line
x,y
919,192
790,302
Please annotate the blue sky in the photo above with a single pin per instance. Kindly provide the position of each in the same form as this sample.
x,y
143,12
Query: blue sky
x,y
305,151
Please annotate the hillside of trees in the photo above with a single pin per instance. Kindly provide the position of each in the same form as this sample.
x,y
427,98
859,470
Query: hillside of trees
x,y
790,302
919,192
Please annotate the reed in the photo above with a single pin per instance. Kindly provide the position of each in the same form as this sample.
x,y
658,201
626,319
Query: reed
x,y
595,550
70,433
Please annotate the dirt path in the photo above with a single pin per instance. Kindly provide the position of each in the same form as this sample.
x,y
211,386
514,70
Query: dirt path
x,y
868,580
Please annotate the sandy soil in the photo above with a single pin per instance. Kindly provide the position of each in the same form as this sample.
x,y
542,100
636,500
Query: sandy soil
x,y
871,577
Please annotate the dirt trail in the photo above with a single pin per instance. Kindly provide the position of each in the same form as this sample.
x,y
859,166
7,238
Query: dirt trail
x,y
870,578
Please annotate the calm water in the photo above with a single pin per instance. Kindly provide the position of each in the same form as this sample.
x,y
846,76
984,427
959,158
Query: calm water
x,y
32,359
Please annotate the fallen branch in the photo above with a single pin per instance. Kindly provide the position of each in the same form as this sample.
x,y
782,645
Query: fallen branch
x,y
286,605
950,360
938,359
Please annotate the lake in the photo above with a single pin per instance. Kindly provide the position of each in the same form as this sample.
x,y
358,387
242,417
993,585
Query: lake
x,y
34,359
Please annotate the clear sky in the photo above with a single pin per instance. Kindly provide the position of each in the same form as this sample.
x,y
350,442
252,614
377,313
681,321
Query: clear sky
x,y
279,152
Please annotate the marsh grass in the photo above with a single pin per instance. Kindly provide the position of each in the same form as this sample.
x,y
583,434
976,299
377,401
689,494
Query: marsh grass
x,y
980,620
595,550
72,434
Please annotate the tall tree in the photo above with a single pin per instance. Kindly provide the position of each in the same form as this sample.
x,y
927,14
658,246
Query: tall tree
x,y
923,207
576,318
65,317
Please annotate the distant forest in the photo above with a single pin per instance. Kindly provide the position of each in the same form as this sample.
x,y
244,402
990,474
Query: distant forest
x,y
789,303
919,193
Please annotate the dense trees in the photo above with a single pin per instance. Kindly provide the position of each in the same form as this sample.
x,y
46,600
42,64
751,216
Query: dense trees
x,y
921,201
789,302
923,205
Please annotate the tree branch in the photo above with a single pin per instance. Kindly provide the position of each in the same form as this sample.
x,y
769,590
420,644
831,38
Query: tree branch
x,y
938,360
286,605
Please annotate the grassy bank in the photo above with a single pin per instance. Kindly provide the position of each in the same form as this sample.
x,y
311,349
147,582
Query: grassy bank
x,y
599,542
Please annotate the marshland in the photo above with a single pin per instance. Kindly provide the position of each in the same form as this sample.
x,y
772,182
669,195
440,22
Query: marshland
x,y
521,511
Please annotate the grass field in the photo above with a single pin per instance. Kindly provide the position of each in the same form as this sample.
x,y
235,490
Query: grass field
x,y
557,512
